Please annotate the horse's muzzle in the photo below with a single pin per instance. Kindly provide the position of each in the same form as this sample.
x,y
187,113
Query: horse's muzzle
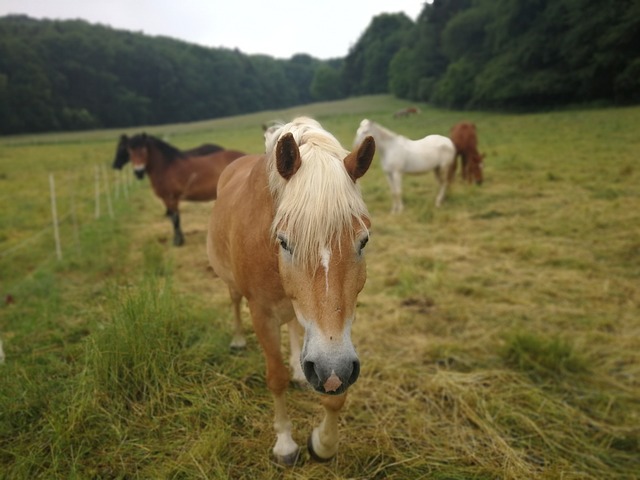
x,y
332,378
139,174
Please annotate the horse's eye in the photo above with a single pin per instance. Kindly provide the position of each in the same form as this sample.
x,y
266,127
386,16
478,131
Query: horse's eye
x,y
284,245
363,242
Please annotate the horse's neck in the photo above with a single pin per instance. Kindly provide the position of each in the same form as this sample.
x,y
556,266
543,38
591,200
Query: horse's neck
x,y
160,155
385,135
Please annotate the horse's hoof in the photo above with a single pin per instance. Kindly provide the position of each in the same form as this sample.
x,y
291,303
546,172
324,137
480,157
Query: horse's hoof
x,y
314,455
289,460
238,344
237,350
178,241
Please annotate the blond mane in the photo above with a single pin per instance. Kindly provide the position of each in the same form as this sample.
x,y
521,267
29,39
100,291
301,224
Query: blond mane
x,y
316,205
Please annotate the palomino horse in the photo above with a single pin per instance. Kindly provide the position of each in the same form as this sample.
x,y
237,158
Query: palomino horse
x,y
465,139
287,232
400,155
175,175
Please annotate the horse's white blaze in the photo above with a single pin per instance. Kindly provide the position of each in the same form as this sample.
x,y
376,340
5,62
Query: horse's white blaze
x,y
325,258
139,168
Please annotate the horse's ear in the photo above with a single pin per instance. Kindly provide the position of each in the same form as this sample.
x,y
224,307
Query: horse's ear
x,y
287,156
358,162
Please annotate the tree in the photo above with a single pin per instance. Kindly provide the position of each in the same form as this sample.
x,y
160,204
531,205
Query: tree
x,y
326,84
366,67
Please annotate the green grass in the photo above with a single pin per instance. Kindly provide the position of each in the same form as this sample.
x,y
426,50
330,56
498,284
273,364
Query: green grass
x,y
498,334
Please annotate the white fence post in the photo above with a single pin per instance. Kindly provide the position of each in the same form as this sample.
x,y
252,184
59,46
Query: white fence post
x,y
97,175
105,175
54,212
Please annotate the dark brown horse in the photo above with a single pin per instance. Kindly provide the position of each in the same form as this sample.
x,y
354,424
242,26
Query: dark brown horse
x,y
465,139
175,174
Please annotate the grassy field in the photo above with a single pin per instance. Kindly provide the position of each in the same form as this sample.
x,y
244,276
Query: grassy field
x,y
499,335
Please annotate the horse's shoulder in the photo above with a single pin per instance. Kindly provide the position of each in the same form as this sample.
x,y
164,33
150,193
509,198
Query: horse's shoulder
x,y
241,167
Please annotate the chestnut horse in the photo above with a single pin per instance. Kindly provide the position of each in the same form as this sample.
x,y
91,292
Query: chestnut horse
x,y
405,112
465,138
175,175
400,155
287,233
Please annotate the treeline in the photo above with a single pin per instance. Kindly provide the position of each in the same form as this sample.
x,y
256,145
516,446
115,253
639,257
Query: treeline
x,y
503,54
67,75
490,54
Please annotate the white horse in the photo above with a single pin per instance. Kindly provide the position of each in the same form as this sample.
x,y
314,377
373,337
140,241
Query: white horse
x,y
400,155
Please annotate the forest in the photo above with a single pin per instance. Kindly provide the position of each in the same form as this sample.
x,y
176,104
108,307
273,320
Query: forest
x,y
507,55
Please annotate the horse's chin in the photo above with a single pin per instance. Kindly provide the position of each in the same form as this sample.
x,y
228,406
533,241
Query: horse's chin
x,y
139,174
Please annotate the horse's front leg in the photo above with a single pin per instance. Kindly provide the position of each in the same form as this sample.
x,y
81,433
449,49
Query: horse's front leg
x,y
295,333
395,184
465,168
442,181
286,450
178,237
238,341
323,442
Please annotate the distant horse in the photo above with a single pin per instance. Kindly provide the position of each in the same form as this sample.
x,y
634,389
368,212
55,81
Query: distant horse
x,y
400,155
405,112
175,175
271,128
287,232
465,139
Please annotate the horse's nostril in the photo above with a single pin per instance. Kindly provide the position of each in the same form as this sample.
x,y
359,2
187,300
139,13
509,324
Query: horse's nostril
x,y
355,373
309,369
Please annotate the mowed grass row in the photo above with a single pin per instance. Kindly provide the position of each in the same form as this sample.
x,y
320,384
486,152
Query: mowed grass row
x,y
498,335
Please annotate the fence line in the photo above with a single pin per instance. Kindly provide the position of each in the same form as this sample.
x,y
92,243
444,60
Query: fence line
x,y
72,213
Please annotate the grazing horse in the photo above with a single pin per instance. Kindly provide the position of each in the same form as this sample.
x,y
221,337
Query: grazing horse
x,y
287,233
175,175
405,112
400,155
465,138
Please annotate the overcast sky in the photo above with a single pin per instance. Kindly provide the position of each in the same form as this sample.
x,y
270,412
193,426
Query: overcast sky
x,y
279,28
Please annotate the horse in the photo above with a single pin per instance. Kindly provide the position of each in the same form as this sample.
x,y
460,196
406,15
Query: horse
x,y
288,233
175,175
465,138
271,128
400,155
405,112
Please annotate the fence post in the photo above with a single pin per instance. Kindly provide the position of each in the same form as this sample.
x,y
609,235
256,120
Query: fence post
x,y
105,175
124,178
54,212
97,175
116,194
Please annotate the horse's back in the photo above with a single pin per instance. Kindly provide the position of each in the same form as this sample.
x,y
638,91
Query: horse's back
x,y
439,146
464,137
235,173
237,210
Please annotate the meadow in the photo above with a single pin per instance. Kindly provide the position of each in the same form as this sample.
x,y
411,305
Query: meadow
x,y
499,334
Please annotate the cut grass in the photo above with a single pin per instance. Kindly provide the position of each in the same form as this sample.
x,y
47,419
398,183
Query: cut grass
x,y
498,335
